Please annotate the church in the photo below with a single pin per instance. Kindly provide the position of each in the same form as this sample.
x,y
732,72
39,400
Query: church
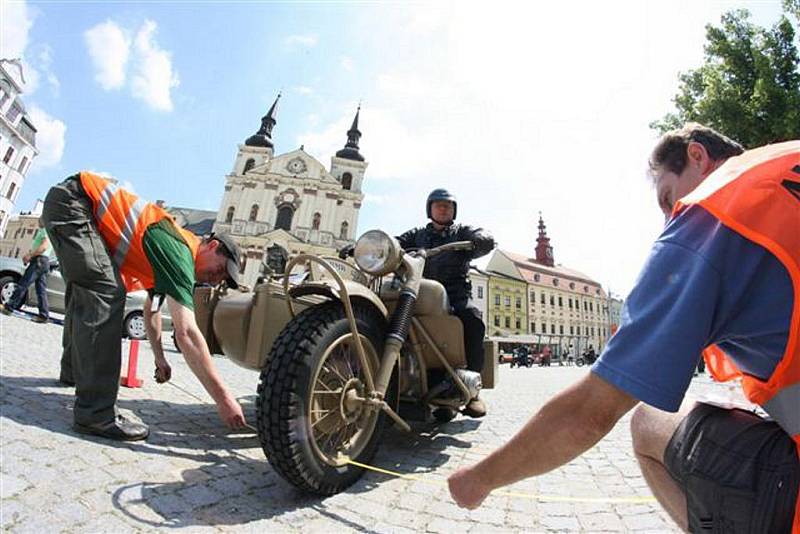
x,y
290,201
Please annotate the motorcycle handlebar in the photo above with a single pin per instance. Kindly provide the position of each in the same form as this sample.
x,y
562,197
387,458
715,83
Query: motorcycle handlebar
x,y
456,245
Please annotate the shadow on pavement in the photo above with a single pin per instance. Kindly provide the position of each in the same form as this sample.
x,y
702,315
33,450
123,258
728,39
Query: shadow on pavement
x,y
230,488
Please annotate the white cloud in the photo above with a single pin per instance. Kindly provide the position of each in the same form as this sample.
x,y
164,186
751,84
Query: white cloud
x,y
16,21
50,139
109,49
305,41
347,63
303,90
154,77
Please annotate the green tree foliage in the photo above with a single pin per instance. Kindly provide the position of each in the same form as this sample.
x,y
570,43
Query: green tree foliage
x,y
749,86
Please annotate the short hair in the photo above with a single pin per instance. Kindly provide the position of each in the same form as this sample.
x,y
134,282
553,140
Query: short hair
x,y
670,152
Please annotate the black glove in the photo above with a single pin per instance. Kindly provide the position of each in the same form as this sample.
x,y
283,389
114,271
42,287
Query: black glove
x,y
346,251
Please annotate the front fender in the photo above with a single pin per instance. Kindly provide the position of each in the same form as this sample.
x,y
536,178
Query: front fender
x,y
330,289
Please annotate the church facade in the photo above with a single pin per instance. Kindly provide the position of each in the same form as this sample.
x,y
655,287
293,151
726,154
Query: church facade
x,y
291,200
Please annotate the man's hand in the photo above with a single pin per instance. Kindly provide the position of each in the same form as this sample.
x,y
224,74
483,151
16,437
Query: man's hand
x,y
231,412
163,370
467,489
26,258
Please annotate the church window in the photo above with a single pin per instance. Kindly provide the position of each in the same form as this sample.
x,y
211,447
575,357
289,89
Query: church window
x,y
347,180
536,277
343,230
22,164
552,329
249,164
254,212
561,329
555,281
315,222
571,330
544,328
560,302
10,192
552,300
543,297
9,153
284,219
229,215
572,285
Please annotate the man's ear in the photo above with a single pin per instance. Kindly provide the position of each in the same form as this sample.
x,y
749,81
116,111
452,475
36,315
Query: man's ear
x,y
698,156
212,245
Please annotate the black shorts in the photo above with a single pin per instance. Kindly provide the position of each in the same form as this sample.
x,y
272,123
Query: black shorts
x,y
740,473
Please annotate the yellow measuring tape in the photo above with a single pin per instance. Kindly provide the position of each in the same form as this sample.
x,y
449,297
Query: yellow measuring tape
x,y
534,496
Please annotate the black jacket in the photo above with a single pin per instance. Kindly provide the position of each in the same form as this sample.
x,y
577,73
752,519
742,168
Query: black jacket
x,y
450,268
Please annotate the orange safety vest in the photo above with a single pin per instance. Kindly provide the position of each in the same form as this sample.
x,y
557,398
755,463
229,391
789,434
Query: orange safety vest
x,y
757,195
122,219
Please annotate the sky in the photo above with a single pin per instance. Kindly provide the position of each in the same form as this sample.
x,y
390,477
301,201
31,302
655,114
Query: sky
x,y
517,108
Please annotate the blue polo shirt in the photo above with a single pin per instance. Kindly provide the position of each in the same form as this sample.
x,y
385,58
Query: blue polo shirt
x,y
702,284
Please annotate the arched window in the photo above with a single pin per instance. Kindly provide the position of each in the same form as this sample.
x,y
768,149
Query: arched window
x,y
249,164
254,212
343,231
284,219
347,180
229,215
316,221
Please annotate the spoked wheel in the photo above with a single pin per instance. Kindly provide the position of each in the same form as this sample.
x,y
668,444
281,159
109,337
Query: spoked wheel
x,y
311,416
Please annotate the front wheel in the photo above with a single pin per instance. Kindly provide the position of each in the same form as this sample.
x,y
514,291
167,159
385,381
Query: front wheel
x,y
580,362
134,326
311,421
8,284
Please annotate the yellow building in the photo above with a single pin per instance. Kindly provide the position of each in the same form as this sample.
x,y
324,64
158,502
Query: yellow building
x,y
566,308
506,305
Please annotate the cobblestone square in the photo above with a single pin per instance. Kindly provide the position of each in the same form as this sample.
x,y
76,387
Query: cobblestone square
x,y
193,475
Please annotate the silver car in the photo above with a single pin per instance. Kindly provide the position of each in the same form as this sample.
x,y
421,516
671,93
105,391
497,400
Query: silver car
x,y
12,269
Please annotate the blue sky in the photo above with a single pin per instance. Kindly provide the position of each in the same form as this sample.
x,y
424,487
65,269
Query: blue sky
x,y
517,107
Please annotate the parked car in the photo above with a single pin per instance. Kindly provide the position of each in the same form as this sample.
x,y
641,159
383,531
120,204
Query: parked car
x,y
12,269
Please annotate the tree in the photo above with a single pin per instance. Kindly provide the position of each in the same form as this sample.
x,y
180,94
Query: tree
x,y
749,86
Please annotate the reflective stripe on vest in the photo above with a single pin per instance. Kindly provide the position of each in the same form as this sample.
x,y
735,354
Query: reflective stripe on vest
x,y
128,225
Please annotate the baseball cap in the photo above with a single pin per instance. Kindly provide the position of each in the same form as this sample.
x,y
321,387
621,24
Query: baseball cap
x,y
234,254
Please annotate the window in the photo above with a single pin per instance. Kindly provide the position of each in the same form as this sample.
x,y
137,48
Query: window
x,y
284,218
497,301
4,96
518,304
508,322
555,281
14,112
16,254
561,329
570,303
592,330
347,180
542,298
533,297
519,324
571,330
536,277
585,305
552,329
572,285
315,221
249,164
229,215
253,212
591,307
552,300
343,230
10,192
544,328
9,153
242,265
533,328
560,302
497,320
480,292
508,301
22,163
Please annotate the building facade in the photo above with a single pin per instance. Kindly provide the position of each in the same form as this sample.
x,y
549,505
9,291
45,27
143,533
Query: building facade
x,y
291,200
566,308
507,304
479,280
18,235
17,140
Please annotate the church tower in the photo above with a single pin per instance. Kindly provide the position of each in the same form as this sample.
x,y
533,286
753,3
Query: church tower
x,y
258,148
544,252
348,165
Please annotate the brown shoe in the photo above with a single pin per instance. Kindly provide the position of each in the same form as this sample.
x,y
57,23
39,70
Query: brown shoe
x,y
39,319
119,428
475,408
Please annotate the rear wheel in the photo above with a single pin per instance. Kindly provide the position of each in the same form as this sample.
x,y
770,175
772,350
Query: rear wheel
x,y
8,284
134,325
311,422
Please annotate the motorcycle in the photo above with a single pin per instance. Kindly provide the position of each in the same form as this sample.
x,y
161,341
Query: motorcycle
x,y
352,350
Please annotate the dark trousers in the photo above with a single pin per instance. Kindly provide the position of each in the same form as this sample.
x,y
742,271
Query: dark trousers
x,y
474,331
36,272
95,301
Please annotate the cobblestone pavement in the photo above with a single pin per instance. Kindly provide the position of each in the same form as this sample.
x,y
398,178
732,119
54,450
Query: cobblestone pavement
x,y
191,474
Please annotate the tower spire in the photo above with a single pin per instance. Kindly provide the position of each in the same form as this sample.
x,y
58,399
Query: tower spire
x,y
544,252
350,150
263,137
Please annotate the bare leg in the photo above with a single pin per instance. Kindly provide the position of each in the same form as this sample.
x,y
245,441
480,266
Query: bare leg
x,y
651,430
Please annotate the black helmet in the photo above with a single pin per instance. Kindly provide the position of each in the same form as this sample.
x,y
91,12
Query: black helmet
x,y
441,194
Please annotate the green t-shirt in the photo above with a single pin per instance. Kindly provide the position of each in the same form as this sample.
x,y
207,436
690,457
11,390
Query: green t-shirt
x,y
172,262
40,236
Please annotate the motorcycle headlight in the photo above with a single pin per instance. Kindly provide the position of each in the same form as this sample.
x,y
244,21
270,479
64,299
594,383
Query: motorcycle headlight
x,y
377,253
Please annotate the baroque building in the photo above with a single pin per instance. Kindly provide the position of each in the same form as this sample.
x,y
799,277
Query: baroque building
x,y
565,308
17,140
291,200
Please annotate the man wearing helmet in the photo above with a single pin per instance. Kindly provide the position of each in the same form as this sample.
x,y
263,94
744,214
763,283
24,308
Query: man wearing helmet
x,y
451,269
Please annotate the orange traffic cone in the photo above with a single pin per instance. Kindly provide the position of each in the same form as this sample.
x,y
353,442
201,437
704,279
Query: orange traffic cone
x,y
130,380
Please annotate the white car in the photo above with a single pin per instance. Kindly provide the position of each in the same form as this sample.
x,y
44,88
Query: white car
x,y
12,269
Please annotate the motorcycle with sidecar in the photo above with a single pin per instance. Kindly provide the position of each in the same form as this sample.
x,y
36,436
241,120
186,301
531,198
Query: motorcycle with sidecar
x,y
344,350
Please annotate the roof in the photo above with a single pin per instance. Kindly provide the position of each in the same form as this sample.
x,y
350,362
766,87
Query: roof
x,y
528,267
199,222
